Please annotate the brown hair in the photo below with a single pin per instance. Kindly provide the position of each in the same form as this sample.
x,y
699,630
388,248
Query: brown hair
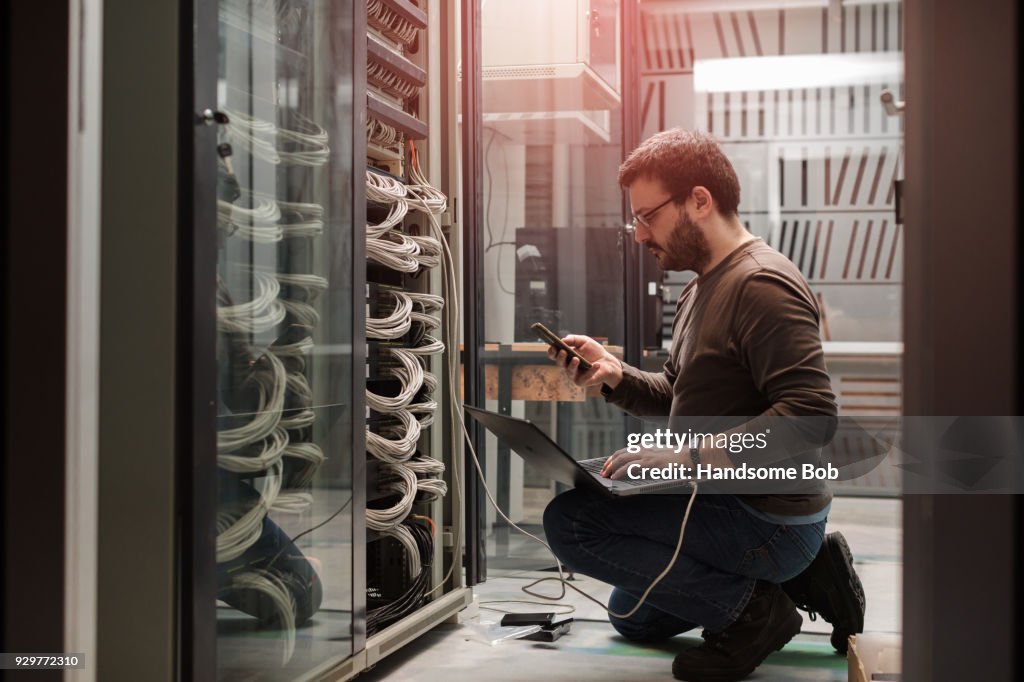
x,y
681,160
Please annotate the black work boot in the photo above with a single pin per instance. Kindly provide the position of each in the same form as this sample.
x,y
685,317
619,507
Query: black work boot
x,y
766,625
830,586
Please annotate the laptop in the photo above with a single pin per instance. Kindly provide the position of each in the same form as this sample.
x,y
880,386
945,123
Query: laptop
x,y
544,454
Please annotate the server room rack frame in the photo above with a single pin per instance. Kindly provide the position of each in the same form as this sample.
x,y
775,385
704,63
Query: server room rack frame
x,y
200,121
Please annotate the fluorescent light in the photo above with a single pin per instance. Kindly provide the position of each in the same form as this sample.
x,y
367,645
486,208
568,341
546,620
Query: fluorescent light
x,y
743,74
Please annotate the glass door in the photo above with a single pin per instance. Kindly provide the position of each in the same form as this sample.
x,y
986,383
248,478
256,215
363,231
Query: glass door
x,y
285,403
553,244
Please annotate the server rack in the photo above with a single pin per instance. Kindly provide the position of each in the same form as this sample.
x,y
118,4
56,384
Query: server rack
x,y
320,532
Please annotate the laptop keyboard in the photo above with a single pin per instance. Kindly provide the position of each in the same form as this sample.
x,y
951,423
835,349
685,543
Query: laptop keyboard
x,y
594,466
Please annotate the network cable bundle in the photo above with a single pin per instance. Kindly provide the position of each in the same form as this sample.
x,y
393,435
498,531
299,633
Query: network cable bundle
x,y
268,311
394,82
403,321
403,332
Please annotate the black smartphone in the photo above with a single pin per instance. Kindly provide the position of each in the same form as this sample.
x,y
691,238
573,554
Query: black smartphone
x,y
542,619
553,339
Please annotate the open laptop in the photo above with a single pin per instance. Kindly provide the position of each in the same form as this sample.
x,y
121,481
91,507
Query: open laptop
x,y
544,454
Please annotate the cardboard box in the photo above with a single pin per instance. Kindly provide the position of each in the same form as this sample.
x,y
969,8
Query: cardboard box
x,y
874,657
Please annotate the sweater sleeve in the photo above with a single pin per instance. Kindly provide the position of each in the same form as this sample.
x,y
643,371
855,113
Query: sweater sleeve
x,y
645,394
777,336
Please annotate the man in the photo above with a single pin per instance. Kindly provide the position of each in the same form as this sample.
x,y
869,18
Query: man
x,y
745,343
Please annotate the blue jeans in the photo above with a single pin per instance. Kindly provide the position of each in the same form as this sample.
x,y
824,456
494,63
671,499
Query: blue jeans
x,y
628,541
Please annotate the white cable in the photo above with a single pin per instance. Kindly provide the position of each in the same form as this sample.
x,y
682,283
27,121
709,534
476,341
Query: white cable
x,y
430,381
309,452
427,408
305,210
299,349
432,487
263,312
425,465
400,448
235,533
257,224
428,302
269,584
304,314
256,234
383,189
292,502
312,285
252,134
396,213
262,223
430,346
383,519
411,375
299,420
271,451
262,139
271,390
381,133
299,416
421,196
298,385
428,321
394,250
390,22
389,81
266,210
430,251
306,452
394,325
308,220
410,372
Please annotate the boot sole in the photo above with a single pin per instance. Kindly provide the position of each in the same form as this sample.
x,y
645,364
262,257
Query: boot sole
x,y
851,621
786,632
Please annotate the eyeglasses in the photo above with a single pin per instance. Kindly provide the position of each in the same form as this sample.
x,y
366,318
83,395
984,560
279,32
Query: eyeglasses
x,y
645,218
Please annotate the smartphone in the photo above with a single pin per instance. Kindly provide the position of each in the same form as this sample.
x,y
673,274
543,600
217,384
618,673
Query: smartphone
x,y
542,619
553,339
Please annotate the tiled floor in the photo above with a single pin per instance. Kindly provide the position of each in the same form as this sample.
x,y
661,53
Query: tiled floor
x,y
593,650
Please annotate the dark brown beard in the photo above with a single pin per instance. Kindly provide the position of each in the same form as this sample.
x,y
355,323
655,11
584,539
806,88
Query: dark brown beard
x,y
687,248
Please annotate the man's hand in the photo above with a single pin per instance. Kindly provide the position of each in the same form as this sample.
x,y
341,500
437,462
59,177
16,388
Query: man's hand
x,y
616,466
605,369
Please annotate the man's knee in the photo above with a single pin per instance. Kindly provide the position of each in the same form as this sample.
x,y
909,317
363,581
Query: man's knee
x,y
635,627
647,625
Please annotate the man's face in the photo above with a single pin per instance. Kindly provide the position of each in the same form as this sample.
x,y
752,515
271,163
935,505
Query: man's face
x,y
674,239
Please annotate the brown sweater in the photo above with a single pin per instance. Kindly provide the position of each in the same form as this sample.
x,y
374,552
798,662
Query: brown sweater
x,y
745,343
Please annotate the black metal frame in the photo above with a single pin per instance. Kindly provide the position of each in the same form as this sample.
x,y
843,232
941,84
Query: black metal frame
x,y
35,45
633,272
197,476
358,190
972,373
197,341
472,283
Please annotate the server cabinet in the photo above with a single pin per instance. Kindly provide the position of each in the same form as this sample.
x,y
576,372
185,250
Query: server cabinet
x,y
315,485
